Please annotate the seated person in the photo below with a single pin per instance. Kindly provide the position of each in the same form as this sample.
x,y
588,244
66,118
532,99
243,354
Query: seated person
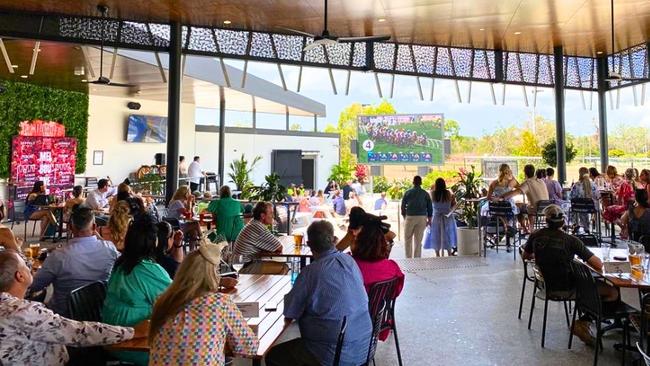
x,y
183,308
84,259
180,207
36,198
118,223
7,238
358,218
328,289
136,282
226,212
553,250
534,189
339,204
256,238
169,248
32,334
303,204
371,254
314,200
97,200
381,203
73,202
203,204
636,221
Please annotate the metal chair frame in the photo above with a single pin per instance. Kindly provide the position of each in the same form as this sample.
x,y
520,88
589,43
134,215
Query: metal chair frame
x,y
502,212
381,305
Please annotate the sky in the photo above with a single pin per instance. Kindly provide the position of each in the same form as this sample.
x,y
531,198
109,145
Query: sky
x,y
476,118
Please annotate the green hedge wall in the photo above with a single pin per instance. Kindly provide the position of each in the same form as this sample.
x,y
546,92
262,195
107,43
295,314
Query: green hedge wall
x,y
22,102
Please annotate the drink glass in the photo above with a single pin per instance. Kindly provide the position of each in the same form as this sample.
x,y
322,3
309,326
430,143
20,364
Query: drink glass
x,y
297,239
605,248
635,260
35,250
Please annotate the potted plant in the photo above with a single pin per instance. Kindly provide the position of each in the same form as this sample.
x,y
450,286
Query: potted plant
x,y
467,187
240,170
271,190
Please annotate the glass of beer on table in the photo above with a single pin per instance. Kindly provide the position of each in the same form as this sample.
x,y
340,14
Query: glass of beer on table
x,y
297,238
35,250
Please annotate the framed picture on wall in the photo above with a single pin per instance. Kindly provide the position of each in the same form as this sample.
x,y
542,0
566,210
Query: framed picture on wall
x,y
98,157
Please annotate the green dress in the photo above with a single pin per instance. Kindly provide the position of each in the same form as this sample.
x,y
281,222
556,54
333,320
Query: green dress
x,y
228,214
130,298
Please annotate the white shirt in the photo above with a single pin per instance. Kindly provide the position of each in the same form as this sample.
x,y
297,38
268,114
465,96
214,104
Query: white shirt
x,y
194,172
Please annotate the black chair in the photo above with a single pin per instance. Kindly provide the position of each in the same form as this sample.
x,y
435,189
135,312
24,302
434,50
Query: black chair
x,y
585,206
500,213
381,304
589,240
86,302
339,342
588,302
548,291
539,216
641,322
527,278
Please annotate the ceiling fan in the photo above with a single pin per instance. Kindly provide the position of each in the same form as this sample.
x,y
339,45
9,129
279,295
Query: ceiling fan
x,y
612,75
103,80
325,38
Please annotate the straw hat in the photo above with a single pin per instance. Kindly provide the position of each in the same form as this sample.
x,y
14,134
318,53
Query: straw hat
x,y
211,251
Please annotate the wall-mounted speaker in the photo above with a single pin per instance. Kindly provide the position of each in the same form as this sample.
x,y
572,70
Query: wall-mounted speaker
x,y
133,105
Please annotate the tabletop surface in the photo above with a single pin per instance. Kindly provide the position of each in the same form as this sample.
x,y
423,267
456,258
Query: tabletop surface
x,y
289,249
623,279
264,289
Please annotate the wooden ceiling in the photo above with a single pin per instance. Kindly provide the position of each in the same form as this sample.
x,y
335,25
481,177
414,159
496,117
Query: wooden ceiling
x,y
56,63
581,26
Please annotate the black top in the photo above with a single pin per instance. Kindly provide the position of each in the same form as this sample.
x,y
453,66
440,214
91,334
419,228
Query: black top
x,y
554,250
169,264
346,191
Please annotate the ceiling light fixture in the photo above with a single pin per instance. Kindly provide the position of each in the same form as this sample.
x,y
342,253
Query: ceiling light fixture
x,y
599,52
23,76
381,20
481,29
84,80
226,22
14,66
517,33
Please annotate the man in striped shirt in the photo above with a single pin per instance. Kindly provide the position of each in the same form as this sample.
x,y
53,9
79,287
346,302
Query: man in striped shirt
x,y
256,238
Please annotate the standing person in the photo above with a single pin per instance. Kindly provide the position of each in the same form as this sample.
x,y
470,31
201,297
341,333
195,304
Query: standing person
x,y
86,258
35,199
182,169
553,187
195,174
416,210
442,231
328,289
227,212
32,334
358,189
534,189
347,189
339,204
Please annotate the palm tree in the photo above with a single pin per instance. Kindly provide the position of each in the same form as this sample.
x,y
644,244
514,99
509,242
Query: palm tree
x,y
240,171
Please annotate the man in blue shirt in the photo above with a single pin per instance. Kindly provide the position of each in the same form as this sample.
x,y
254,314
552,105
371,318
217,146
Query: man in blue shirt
x,y
84,259
339,204
325,291
381,203
417,211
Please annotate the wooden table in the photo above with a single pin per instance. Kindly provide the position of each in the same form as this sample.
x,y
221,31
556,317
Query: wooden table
x,y
265,289
622,280
289,250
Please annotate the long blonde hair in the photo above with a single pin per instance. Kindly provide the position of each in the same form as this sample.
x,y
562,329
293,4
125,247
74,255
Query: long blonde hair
x,y
195,277
181,193
118,223
586,182
504,170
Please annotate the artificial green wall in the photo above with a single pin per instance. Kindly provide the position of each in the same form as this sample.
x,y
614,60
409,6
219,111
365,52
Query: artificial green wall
x,y
26,102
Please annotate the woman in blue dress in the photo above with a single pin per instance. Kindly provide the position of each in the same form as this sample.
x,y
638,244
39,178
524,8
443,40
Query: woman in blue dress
x,y
442,232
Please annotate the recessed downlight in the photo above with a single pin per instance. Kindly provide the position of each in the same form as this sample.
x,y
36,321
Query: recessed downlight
x,y
24,76
599,52
517,33
481,29
14,66
226,22
381,20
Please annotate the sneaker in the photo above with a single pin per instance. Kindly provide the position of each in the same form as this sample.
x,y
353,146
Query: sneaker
x,y
582,330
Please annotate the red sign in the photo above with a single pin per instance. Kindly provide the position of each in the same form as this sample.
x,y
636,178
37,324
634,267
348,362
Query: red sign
x,y
41,128
50,159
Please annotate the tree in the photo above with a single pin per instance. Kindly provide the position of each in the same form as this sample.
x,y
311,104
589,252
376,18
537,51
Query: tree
x,y
295,127
529,145
452,129
549,152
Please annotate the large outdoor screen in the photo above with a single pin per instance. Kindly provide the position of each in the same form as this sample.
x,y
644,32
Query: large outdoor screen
x,y
408,139
146,129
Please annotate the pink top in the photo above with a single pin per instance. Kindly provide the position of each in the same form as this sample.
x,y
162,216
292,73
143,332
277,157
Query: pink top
x,y
380,270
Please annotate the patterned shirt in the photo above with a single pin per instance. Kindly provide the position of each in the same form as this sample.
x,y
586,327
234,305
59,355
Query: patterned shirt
x,y
79,262
198,334
325,291
254,239
31,334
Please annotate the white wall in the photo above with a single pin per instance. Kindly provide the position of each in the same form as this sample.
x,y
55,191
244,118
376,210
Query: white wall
x,y
252,145
107,124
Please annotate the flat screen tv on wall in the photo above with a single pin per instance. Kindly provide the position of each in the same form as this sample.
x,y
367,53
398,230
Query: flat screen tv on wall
x,y
146,129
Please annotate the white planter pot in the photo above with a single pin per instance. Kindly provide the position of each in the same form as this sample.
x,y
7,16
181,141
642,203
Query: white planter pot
x,y
467,241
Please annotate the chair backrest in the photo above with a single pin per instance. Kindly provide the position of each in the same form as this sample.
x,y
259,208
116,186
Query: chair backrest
x,y
541,205
500,208
583,205
339,342
526,262
589,240
587,297
86,302
643,239
174,222
380,293
377,323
